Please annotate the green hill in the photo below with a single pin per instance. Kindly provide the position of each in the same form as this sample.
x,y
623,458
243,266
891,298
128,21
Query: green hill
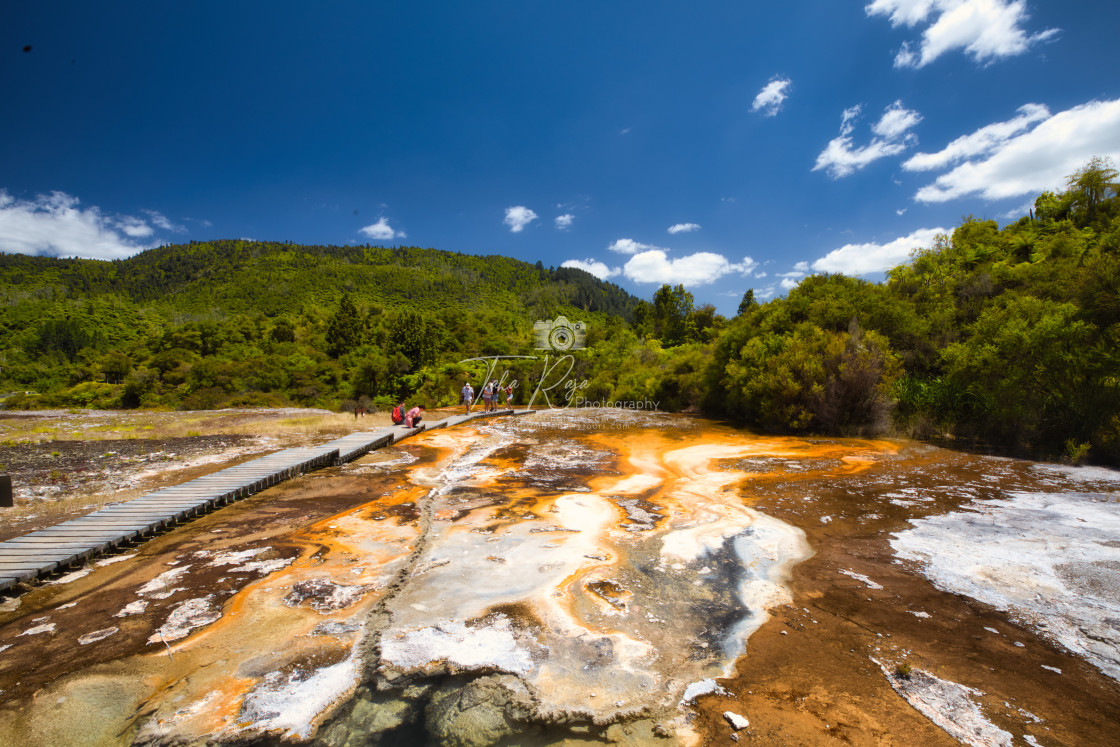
x,y
1005,338
239,322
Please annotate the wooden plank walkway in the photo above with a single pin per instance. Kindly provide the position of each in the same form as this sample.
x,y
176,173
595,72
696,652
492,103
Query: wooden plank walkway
x,y
52,549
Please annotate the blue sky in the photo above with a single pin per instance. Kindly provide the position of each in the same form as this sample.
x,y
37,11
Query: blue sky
x,y
722,145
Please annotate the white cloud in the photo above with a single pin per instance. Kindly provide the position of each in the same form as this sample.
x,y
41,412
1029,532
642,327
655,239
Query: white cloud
x,y
564,221
518,217
901,12
701,268
55,225
896,120
1037,160
134,227
984,140
629,246
382,231
765,294
984,29
596,268
684,228
791,279
770,99
1018,212
159,220
841,158
863,259
848,116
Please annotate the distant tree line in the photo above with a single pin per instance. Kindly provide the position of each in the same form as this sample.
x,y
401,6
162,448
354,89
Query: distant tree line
x,y
1002,338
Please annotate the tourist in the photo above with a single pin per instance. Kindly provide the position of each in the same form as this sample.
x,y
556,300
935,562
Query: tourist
x,y
509,396
414,416
467,394
398,413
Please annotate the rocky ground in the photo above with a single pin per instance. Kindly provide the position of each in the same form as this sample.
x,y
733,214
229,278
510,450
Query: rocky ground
x,y
866,627
391,581
66,463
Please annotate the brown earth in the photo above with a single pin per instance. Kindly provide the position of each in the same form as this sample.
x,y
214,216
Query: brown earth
x,y
808,678
65,464
272,518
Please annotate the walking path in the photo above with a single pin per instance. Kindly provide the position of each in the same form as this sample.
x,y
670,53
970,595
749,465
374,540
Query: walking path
x,y
48,550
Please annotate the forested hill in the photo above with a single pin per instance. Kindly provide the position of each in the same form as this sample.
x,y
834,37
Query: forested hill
x,y
1004,337
272,278
242,323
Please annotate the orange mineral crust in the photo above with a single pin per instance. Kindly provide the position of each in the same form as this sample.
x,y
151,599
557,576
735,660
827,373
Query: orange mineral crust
x,y
575,577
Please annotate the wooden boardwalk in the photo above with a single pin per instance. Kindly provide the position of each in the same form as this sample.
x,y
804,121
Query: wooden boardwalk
x,y
49,550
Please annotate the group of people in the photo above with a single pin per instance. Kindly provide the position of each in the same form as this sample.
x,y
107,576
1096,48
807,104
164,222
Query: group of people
x,y
491,394
410,418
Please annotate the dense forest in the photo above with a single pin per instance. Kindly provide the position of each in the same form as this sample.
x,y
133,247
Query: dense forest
x,y
238,323
1004,338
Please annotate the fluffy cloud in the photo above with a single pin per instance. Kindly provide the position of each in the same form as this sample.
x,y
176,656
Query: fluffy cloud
x,y
701,268
1033,161
770,99
382,231
985,29
565,221
596,268
684,228
863,259
518,217
793,277
765,294
629,246
841,158
896,120
55,225
134,227
984,140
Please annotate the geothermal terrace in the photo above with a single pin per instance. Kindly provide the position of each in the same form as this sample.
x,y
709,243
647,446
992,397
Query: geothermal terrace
x,y
588,578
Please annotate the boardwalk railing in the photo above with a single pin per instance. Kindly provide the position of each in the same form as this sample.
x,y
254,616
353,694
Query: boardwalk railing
x,y
44,551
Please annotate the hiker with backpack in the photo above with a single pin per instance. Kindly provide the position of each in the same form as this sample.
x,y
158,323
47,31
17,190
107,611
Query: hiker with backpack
x,y
398,413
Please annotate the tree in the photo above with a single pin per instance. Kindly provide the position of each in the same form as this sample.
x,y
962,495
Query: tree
x,y
1092,184
345,329
704,323
748,303
283,331
1027,370
413,336
672,309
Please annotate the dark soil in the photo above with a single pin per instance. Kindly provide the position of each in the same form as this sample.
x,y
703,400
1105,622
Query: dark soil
x,y
50,471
